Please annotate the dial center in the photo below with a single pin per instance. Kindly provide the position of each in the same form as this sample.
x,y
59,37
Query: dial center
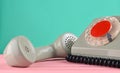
x,y
101,28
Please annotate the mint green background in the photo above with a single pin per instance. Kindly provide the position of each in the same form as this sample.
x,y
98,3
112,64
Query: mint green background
x,y
42,21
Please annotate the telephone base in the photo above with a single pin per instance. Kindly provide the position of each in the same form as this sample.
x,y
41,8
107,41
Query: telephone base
x,y
96,50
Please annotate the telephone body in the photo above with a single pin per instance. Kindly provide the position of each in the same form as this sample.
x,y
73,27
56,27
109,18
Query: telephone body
x,y
99,44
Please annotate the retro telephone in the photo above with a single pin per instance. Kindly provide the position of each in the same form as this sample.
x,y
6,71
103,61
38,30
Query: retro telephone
x,y
99,44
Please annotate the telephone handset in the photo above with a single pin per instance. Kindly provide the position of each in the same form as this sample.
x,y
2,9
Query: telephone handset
x,y
99,44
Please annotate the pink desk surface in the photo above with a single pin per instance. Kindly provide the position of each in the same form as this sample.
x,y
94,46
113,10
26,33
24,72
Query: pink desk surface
x,y
58,66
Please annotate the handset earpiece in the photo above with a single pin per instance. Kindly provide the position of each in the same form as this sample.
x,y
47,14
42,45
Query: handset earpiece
x,y
60,48
21,53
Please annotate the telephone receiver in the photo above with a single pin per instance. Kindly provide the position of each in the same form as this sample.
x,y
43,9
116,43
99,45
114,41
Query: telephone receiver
x,y
99,44
21,53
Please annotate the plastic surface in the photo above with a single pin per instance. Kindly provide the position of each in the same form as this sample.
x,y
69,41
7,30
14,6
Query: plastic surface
x,y
56,66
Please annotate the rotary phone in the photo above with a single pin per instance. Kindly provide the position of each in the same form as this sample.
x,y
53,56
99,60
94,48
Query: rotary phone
x,y
99,44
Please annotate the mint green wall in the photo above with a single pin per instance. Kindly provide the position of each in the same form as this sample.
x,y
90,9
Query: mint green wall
x,y
42,21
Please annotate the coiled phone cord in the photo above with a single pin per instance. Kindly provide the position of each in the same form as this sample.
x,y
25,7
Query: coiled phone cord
x,y
93,60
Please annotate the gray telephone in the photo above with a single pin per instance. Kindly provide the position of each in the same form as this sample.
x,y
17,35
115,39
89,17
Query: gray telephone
x,y
99,44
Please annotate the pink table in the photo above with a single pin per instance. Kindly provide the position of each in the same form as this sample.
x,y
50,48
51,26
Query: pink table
x,y
58,66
